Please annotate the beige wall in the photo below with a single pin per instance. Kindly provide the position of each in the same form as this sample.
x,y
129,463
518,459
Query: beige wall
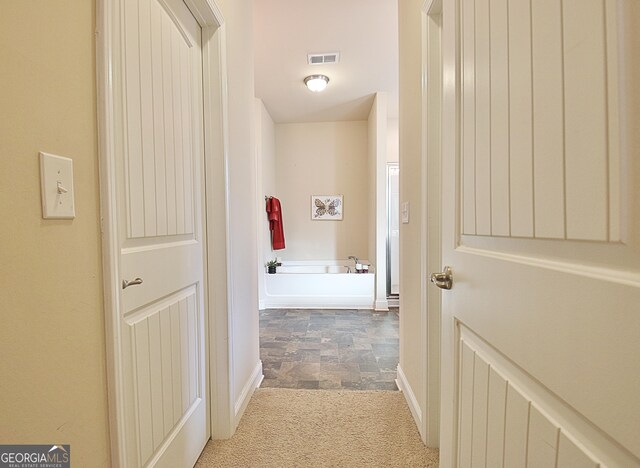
x,y
242,190
266,149
412,361
377,152
372,155
328,158
266,174
53,385
393,134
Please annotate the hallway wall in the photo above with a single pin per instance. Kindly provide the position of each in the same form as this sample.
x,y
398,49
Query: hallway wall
x,y
243,232
412,359
52,340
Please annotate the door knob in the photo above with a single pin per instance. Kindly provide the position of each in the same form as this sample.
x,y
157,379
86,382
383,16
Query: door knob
x,y
134,282
443,280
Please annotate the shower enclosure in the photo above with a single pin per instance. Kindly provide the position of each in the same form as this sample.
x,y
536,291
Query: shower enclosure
x,y
393,230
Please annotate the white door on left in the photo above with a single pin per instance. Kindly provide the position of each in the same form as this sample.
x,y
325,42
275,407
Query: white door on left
x,y
159,167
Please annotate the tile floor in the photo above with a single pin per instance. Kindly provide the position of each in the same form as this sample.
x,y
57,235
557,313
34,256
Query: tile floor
x,y
329,349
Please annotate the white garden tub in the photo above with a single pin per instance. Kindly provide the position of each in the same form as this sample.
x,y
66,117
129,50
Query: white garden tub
x,y
318,285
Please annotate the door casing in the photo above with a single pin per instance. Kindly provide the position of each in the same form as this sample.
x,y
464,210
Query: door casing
x,y
431,218
218,321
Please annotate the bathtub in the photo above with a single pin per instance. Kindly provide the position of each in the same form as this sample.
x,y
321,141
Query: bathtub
x,y
314,285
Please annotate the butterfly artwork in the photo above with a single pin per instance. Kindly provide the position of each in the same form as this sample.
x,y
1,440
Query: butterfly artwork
x,y
326,207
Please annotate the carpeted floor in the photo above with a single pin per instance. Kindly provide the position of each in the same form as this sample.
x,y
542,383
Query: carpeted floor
x,y
322,428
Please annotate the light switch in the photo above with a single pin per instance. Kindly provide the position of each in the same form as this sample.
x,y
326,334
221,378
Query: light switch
x,y
56,184
405,212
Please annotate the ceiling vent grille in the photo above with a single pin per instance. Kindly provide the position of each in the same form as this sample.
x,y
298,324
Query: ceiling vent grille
x,y
321,59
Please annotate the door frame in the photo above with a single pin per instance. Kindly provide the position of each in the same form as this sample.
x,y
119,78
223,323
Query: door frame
x,y
431,246
218,322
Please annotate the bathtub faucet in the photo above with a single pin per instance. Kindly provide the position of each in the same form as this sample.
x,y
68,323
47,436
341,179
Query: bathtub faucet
x,y
355,259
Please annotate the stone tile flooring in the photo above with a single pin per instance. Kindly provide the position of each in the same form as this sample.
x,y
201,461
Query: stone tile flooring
x,y
329,349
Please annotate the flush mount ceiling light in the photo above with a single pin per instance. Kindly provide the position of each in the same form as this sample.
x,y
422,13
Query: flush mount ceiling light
x,y
316,83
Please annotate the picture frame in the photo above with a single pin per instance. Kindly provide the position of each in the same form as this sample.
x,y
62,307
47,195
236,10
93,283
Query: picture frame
x,y
327,207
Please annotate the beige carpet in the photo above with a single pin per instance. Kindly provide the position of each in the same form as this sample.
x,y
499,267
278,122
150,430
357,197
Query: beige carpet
x,y
318,428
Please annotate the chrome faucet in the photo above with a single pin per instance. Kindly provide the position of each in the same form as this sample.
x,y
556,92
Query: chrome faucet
x,y
355,259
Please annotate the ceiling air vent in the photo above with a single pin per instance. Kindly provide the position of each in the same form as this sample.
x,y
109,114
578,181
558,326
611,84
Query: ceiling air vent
x,y
321,59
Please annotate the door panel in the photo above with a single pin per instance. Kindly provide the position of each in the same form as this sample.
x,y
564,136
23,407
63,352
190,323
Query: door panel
x,y
511,427
162,232
563,113
159,333
499,66
160,56
540,329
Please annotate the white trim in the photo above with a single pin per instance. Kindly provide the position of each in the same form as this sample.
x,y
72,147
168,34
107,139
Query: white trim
x,y
432,7
382,132
260,203
431,247
254,381
450,147
108,222
412,401
215,111
206,12
613,275
218,235
381,305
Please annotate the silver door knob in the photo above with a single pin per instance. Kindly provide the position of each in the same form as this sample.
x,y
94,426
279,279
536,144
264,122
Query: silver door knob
x,y
133,282
443,280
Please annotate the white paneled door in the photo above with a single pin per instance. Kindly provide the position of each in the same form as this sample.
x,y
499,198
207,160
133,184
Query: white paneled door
x,y
160,219
541,227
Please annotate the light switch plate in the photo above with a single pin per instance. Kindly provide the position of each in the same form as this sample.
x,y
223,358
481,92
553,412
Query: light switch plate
x,y
405,212
56,185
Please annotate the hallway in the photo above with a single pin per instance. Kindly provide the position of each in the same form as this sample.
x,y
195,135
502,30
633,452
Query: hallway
x,y
317,428
329,349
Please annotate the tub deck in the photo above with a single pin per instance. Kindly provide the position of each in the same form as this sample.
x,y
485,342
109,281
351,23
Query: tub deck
x,y
296,286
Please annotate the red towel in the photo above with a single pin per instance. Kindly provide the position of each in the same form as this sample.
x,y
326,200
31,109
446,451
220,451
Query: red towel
x,y
274,210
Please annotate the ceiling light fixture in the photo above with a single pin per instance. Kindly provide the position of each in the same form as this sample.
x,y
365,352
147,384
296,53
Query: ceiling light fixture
x,y
316,83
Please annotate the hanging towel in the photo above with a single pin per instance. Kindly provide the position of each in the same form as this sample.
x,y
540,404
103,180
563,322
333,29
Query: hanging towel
x,y
274,210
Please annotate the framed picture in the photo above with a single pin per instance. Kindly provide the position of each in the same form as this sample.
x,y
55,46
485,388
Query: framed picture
x,y
326,207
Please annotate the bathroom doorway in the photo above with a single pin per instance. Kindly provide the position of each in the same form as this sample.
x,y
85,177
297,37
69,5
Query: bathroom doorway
x,y
393,232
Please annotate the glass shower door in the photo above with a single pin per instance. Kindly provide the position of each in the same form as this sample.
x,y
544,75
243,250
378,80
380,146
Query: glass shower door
x,y
393,233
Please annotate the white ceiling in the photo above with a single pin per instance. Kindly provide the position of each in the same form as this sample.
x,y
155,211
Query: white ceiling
x,y
365,32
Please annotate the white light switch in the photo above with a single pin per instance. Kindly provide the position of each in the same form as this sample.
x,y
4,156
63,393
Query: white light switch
x,y
56,177
405,213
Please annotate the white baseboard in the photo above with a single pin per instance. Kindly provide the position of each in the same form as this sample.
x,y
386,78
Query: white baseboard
x,y
416,412
252,383
382,305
